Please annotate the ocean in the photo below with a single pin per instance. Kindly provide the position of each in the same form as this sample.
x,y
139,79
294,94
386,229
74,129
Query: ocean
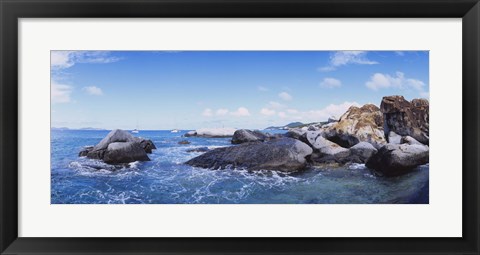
x,y
166,180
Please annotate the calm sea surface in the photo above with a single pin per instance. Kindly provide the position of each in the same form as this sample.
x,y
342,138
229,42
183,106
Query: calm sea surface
x,y
166,180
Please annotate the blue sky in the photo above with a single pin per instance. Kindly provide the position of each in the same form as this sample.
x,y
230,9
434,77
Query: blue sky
x,y
241,89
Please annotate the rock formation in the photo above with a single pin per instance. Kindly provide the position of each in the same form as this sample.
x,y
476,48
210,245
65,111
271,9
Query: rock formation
x,y
119,147
406,118
358,124
284,154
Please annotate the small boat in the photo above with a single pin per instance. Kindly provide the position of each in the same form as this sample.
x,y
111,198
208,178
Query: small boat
x,y
175,131
135,131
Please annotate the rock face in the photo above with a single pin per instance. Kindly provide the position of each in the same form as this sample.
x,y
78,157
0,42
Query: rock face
x,y
245,135
397,159
361,152
120,147
283,154
212,132
364,124
406,118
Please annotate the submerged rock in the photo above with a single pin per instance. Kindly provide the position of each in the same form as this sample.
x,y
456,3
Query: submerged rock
x,y
283,154
245,135
190,133
397,159
406,118
84,152
199,149
120,147
184,142
358,124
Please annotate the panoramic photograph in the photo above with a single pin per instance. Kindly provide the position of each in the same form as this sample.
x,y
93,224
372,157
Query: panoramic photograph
x,y
239,127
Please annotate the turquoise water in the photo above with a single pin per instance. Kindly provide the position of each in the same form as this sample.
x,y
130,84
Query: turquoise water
x,y
166,180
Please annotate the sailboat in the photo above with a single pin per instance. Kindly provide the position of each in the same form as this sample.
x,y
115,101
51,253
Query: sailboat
x,y
135,131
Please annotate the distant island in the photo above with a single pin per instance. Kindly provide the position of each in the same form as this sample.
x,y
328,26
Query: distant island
x,y
85,128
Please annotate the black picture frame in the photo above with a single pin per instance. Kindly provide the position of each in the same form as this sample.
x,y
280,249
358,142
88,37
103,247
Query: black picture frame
x,y
12,10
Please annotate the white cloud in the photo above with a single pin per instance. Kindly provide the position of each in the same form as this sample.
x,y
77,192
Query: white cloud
x,y
207,112
285,96
331,110
241,112
65,59
92,90
341,58
330,83
275,105
317,115
221,112
60,93
267,112
262,88
399,81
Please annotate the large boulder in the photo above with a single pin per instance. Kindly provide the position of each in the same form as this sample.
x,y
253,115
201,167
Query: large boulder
x,y
283,154
114,136
212,132
124,152
358,124
398,159
245,135
406,118
361,152
326,151
119,147
295,133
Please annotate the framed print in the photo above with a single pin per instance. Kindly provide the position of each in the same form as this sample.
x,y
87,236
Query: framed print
x,y
239,127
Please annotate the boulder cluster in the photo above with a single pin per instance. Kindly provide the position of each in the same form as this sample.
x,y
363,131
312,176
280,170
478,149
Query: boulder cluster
x,y
391,140
120,147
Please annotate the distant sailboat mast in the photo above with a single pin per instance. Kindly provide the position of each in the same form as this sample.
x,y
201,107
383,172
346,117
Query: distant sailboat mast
x,y
135,131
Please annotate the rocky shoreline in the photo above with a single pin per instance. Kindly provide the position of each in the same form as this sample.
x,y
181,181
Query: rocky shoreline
x,y
391,140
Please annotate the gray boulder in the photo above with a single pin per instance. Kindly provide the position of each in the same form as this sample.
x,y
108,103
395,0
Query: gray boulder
x,y
398,159
124,152
283,154
410,140
295,133
119,147
310,137
245,135
328,152
114,136
394,138
361,152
